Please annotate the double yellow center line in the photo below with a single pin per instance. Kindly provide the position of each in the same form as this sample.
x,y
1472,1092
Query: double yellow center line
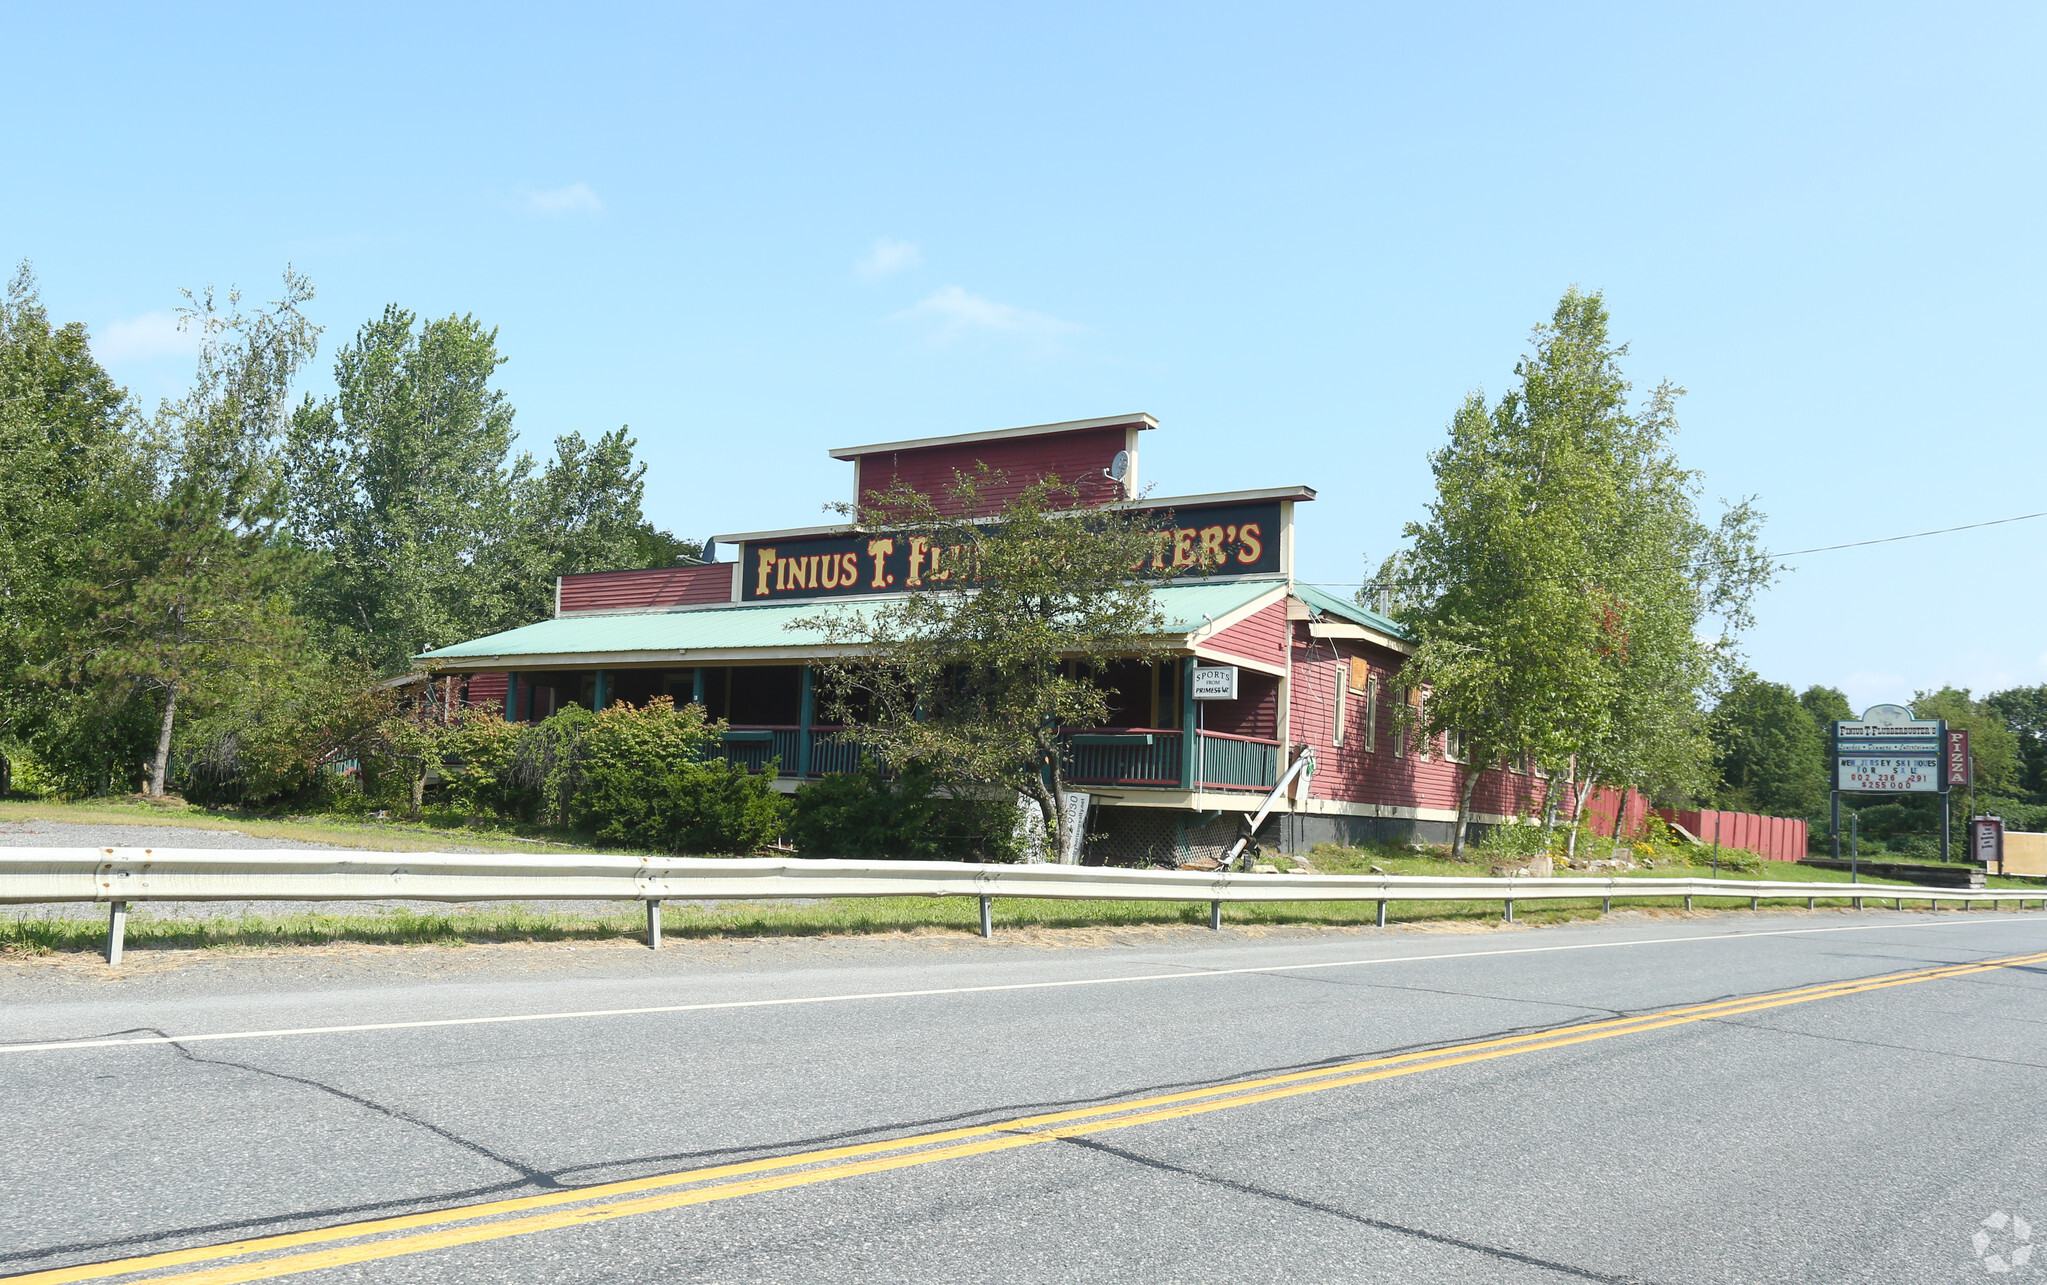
x,y
499,1219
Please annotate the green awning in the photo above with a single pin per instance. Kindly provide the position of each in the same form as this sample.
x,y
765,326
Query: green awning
x,y
654,636
1344,609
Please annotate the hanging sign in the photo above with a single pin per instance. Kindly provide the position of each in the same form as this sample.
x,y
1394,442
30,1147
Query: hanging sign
x,y
1888,751
1215,682
1960,767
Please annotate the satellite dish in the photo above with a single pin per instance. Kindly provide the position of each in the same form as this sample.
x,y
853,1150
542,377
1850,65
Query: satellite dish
x,y
710,553
1119,468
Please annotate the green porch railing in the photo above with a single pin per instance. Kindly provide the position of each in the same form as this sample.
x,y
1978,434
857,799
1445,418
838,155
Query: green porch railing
x,y
1123,756
753,747
1229,762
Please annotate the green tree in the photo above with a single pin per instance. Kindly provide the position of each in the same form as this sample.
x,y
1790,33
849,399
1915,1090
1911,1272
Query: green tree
x,y
401,485
187,590
975,675
1769,751
427,529
582,513
67,467
2024,710
1558,584
1992,742
1827,705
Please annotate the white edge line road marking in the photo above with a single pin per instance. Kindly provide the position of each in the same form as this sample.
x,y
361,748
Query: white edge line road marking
x,y
1191,974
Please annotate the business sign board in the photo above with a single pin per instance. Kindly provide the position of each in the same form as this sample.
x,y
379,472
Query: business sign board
x,y
1887,750
1215,682
1215,540
1961,769
1986,841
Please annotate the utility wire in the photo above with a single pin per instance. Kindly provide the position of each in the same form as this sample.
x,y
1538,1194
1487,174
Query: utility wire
x,y
1825,548
1857,544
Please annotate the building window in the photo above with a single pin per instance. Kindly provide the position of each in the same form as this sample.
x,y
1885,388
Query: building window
x,y
1371,714
1336,715
1453,746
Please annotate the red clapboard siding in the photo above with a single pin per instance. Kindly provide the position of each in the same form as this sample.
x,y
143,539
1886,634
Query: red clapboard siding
x,y
646,590
1261,636
1255,712
1076,457
485,691
1358,772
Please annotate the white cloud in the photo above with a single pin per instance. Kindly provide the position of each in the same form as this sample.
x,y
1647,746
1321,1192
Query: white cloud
x,y
576,198
954,313
153,334
887,256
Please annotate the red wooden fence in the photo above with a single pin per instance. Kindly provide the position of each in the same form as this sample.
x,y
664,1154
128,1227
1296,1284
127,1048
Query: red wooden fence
x,y
1778,838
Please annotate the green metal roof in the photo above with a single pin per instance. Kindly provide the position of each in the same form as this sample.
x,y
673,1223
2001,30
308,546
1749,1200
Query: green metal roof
x,y
1323,600
741,626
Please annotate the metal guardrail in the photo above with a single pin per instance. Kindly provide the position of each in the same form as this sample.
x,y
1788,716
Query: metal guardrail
x,y
117,876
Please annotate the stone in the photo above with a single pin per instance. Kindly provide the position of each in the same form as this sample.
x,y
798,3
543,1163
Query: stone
x,y
1264,869
1201,863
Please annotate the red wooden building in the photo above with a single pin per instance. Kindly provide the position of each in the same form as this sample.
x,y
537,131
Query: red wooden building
x,y
1317,673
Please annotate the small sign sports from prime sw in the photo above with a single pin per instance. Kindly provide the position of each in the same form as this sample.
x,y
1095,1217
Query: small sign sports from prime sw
x,y
1215,682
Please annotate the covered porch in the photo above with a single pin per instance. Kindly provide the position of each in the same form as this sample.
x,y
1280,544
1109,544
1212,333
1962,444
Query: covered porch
x,y
1156,737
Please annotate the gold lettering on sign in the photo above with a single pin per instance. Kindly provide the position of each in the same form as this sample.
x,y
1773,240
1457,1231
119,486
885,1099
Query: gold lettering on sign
x,y
767,564
1160,542
879,551
1183,547
937,574
1212,554
832,563
920,549
849,569
1249,547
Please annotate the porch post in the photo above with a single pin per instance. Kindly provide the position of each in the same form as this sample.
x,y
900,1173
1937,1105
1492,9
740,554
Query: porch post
x,y
512,697
1189,734
598,692
806,716
696,694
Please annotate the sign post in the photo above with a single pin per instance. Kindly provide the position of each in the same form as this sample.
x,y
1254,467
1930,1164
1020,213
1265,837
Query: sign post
x,y
1211,683
1888,751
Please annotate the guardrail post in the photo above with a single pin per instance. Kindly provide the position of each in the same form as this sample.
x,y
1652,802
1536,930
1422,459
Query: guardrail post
x,y
653,925
1606,905
1858,903
1808,903
1382,913
117,928
1215,916
1510,912
1752,903
987,920
1688,901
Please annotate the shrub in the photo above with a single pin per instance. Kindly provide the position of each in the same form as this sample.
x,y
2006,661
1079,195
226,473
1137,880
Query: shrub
x,y
477,755
647,776
1513,843
863,815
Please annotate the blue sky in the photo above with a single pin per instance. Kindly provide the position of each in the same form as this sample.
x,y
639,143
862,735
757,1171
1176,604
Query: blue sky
x,y
1295,234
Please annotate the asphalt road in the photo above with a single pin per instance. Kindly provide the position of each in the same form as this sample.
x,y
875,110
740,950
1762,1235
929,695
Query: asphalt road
x,y
1854,1132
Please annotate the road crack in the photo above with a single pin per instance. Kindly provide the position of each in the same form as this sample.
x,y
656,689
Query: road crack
x,y
1379,1224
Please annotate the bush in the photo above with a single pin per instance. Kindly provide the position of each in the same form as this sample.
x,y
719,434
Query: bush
x,y
863,816
1519,841
646,776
